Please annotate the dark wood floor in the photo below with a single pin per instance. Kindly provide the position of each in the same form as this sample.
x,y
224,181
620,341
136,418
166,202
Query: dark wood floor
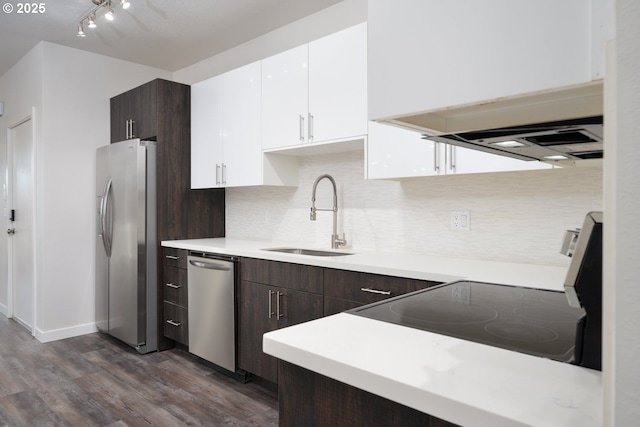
x,y
93,380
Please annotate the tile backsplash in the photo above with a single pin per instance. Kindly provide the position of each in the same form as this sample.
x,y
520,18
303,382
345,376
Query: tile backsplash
x,y
514,216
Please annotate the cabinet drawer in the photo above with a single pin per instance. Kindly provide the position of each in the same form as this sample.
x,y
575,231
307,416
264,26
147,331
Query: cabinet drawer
x,y
296,276
255,270
335,305
175,285
176,323
282,274
174,257
367,288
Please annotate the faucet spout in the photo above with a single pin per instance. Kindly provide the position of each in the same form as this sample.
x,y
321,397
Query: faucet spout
x,y
336,241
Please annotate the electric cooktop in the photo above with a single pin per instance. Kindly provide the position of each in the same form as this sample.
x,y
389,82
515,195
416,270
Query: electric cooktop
x,y
532,321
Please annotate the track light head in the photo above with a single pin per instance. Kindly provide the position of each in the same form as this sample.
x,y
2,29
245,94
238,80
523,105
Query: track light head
x,y
92,21
125,4
109,14
81,30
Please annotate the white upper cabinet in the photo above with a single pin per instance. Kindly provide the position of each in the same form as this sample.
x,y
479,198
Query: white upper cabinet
x,y
432,56
225,129
338,85
285,98
241,135
394,152
226,146
316,92
206,133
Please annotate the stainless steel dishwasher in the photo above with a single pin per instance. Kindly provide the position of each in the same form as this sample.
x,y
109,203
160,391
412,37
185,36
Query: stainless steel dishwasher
x,y
211,302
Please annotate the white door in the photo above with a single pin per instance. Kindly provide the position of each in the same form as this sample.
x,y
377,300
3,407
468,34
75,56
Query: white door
x,y
21,242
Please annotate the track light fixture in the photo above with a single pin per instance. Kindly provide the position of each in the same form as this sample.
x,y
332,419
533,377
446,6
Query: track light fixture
x,y
90,17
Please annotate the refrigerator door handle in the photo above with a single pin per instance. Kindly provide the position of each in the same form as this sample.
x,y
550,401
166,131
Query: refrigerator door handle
x,y
105,227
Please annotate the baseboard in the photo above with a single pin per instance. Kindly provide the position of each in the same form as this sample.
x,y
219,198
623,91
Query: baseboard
x,y
60,334
4,310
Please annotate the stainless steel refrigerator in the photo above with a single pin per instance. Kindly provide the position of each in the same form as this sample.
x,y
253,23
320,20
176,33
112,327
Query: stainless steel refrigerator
x,y
126,243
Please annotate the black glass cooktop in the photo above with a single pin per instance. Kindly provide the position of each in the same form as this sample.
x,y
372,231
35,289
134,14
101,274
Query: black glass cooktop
x,y
532,321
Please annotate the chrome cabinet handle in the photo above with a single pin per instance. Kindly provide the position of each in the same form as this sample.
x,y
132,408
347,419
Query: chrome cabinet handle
x,y
310,124
278,314
217,174
452,157
173,257
224,174
436,157
172,323
375,291
271,313
173,286
129,129
301,128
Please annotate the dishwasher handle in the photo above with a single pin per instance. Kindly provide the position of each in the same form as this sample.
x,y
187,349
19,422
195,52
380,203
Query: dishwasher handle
x,y
209,265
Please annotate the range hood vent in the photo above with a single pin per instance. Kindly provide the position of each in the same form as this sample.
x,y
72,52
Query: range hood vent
x,y
575,139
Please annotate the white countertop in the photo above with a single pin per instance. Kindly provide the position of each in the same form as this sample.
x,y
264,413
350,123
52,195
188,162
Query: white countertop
x,y
411,265
460,381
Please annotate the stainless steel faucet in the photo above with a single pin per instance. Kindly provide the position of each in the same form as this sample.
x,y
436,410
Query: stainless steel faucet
x,y
336,241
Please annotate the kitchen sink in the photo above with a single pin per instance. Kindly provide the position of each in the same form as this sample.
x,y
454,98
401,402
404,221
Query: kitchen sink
x,y
311,252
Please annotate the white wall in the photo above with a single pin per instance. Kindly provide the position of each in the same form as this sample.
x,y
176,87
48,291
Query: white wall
x,y
622,218
20,90
330,20
72,99
515,216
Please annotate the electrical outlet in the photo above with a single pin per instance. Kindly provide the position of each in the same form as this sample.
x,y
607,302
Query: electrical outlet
x,y
460,220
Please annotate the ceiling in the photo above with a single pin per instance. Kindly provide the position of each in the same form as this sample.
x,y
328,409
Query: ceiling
x,y
166,34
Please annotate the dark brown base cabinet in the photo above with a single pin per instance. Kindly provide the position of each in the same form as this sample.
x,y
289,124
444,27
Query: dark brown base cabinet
x,y
273,295
160,110
344,290
312,400
175,304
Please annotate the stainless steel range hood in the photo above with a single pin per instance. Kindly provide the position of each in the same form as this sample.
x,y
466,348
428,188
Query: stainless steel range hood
x,y
554,125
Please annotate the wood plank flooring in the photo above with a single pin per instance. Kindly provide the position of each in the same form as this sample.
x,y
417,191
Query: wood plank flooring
x,y
94,380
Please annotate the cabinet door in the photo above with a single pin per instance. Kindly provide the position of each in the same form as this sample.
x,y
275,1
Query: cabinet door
x,y
242,150
463,160
206,133
295,307
120,113
255,320
474,51
145,111
338,85
138,105
285,98
393,152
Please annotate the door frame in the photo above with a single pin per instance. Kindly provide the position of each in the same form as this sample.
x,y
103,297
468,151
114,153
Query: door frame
x,y
31,117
